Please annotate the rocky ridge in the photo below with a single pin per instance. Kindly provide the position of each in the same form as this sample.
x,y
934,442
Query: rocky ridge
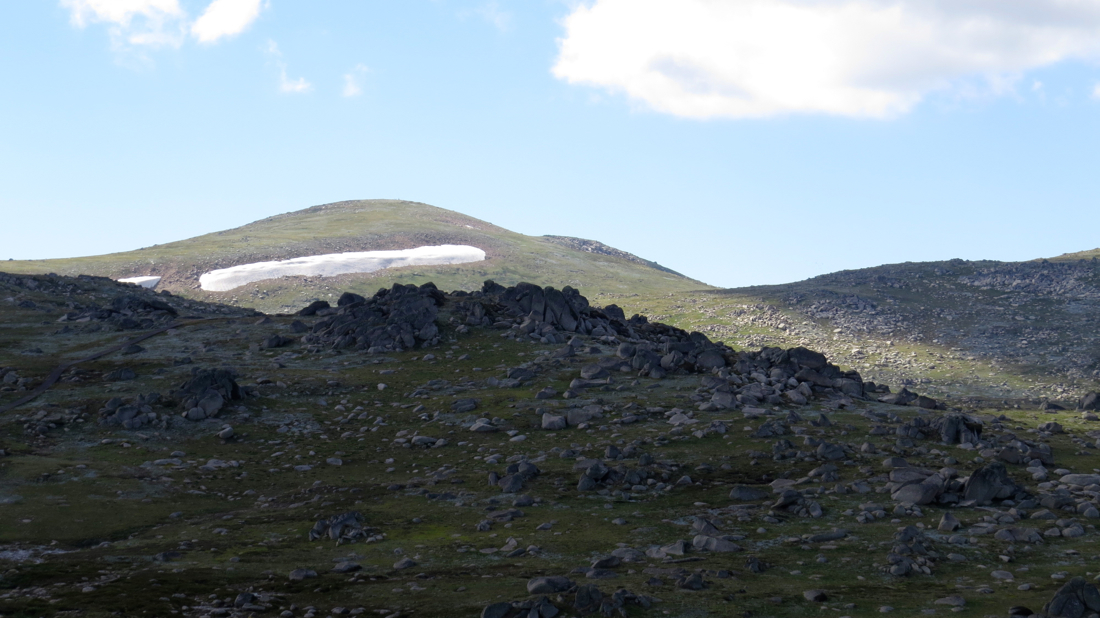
x,y
1009,333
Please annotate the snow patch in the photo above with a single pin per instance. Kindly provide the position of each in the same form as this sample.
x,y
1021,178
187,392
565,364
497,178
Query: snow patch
x,y
331,264
145,282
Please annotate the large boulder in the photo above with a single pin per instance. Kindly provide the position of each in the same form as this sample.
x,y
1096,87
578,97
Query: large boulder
x,y
553,422
1082,480
314,307
903,397
207,391
806,358
925,402
593,372
714,544
1090,401
548,585
511,484
711,359
748,494
347,298
917,493
958,429
1073,600
848,386
576,416
211,403
989,483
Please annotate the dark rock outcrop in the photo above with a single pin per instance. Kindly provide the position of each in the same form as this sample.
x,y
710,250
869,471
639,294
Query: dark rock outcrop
x,y
207,391
127,312
134,414
404,317
400,318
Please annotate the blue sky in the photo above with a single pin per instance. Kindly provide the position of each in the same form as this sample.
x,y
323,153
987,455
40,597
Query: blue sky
x,y
741,142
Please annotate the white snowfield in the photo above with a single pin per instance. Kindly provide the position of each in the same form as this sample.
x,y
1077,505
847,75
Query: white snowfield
x,y
145,282
330,264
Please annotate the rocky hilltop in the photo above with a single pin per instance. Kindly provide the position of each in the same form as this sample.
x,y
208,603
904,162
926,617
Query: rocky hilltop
x,y
1015,333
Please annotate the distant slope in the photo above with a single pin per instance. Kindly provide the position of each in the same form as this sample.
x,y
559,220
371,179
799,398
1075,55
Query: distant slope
x,y
1024,331
367,225
1079,255
593,246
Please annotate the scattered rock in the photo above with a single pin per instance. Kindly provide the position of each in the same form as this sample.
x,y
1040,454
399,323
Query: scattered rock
x,y
548,585
298,575
815,596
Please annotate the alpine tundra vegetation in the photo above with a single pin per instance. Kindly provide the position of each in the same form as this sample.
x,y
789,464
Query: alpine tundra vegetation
x,y
560,429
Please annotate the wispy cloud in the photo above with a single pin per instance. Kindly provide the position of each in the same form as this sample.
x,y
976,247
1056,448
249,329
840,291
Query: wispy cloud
x,y
293,86
224,18
136,25
498,17
352,85
132,23
856,58
1096,92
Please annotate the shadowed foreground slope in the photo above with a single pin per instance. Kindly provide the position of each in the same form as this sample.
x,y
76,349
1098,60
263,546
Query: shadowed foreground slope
x,y
419,454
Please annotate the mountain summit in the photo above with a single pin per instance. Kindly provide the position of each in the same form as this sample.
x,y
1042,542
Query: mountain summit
x,y
361,226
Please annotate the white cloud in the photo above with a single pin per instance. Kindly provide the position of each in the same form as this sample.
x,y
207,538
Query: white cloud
x,y
224,18
132,23
857,58
352,87
286,84
1096,91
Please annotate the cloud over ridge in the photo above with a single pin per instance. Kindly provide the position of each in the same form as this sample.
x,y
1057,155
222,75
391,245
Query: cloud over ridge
x,y
856,58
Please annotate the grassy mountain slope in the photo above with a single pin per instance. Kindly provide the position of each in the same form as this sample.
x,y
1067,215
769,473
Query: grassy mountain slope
x,y
1078,255
994,330
367,225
